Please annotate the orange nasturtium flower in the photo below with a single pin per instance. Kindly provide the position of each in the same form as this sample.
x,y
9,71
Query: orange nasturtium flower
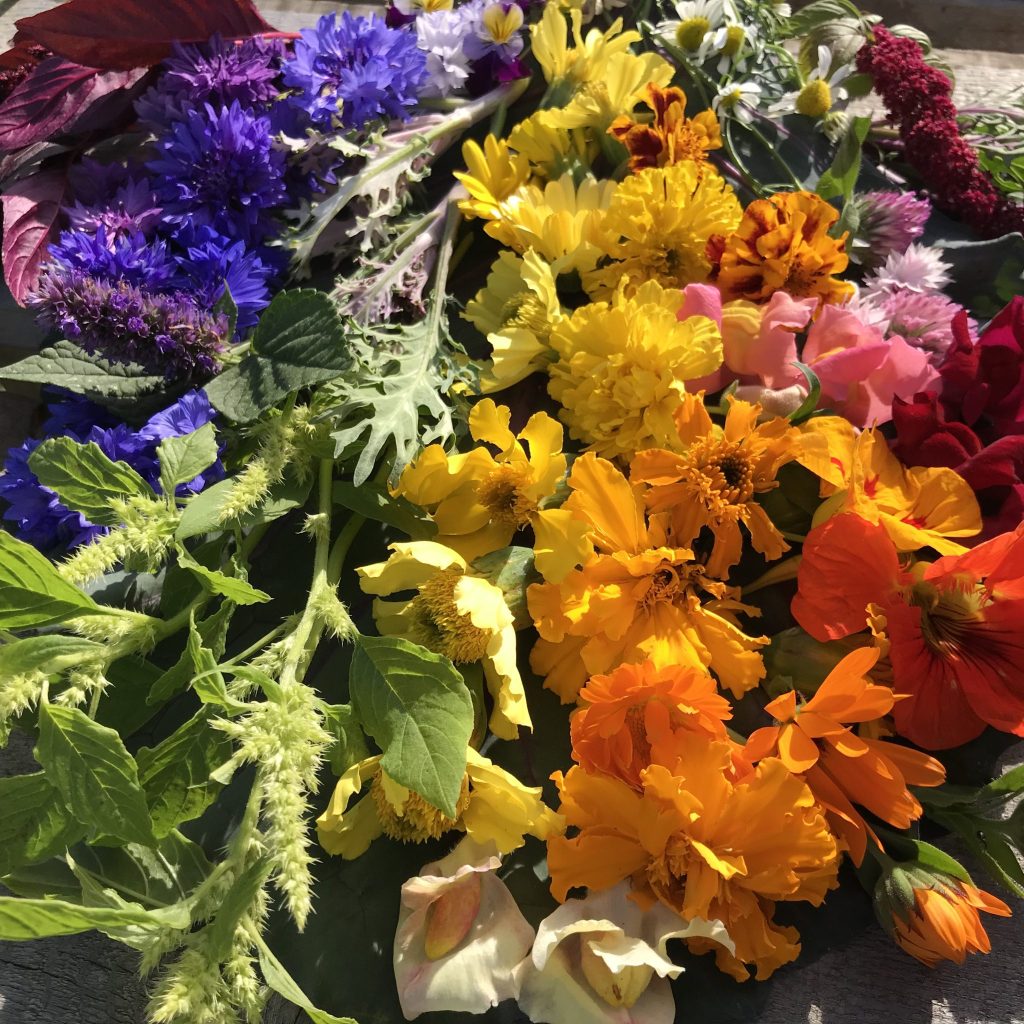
x,y
672,136
636,710
814,740
705,844
633,597
783,244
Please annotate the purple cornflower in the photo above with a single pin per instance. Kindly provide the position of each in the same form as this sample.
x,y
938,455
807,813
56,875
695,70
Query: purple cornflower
x,y
166,334
889,222
353,70
130,207
219,73
126,257
220,168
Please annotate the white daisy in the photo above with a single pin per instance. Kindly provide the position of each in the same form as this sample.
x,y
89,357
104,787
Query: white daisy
x,y
737,99
694,27
819,91
735,42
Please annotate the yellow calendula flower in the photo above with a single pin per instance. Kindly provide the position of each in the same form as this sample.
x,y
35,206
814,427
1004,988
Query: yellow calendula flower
x,y
918,506
661,220
492,174
586,59
494,807
622,368
456,613
516,312
479,500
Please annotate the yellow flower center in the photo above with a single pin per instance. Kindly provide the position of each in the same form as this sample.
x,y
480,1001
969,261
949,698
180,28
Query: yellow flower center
x,y
731,98
415,821
678,582
442,628
721,475
526,310
950,618
734,38
815,99
502,493
691,32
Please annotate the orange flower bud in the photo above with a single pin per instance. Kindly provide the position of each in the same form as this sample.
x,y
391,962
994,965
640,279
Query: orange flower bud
x,y
451,915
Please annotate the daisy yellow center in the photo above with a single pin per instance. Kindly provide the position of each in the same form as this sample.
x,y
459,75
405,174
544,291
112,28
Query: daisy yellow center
x,y
442,627
526,310
691,32
815,99
731,98
502,493
734,37
415,821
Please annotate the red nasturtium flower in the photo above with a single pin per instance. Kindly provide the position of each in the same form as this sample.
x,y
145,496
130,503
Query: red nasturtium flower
x,y
955,626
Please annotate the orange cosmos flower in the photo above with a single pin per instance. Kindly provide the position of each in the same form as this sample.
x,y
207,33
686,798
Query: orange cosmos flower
x,y
638,709
955,627
714,481
703,843
814,740
783,244
672,137
633,596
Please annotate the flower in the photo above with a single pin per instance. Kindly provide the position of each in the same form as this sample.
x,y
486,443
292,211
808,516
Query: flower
x,y
595,959
819,91
460,935
889,222
220,168
760,340
695,24
166,334
922,319
117,205
122,257
782,244
354,70
634,598
496,32
479,500
737,99
660,222
704,843
622,367
492,175
456,613
440,35
712,481
494,807
814,740
516,311
954,626
918,268
639,708
671,137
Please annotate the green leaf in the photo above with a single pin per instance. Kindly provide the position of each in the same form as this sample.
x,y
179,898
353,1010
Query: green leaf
x,y
841,177
1006,787
278,979
817,13
84,374
176,772
349,746
416,707
299,341
218,582
810,403
23,919
85,479
934,858
49,653
94,772
182,459
373,502
32,593
34,823
206,636
226,304
236,902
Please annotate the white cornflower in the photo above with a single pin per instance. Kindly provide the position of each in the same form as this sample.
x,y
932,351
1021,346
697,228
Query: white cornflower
x,y
440,35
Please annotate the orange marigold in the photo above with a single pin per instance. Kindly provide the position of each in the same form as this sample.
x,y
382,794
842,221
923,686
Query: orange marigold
x,y
783,244
672,136
704,843
842,768
632,714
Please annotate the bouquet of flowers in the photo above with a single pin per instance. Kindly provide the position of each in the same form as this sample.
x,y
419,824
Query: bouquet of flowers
x,y
531,499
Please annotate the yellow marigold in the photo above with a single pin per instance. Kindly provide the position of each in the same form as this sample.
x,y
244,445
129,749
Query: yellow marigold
x,y
660,221
704,843
622,368
671,137
516,311
495,807
783,244
633,596
492,175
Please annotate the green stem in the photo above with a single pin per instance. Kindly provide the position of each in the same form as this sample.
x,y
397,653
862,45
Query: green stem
x,y
339,552
178,621
263,641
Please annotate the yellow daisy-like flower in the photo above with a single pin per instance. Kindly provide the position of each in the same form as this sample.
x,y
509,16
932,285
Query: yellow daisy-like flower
x,y
479,500
586,60
622,368
661,220
495,807
553,151
516,311
455,613
492,175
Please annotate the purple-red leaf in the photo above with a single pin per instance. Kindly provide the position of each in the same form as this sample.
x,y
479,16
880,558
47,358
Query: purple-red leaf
x,y
117,35
52,94
31,209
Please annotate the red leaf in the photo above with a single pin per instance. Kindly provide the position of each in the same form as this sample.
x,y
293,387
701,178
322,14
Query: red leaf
x,y
118,35
31,209
44,102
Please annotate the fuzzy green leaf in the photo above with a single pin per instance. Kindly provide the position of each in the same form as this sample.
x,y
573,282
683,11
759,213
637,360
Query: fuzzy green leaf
x,y
349,744
85,479
48,653
416,707
182,459
35,823
202,512
218,582
23,919
94,772
839,180
278,979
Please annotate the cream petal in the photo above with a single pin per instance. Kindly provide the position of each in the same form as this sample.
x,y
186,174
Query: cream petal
x,y
410,565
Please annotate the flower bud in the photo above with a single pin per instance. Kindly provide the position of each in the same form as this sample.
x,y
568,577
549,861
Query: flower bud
x,y
617,988
451,915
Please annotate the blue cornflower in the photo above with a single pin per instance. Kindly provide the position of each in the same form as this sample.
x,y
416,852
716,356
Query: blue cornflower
x,y
187,414
128,208
125,257
219,73
354,70
220,168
